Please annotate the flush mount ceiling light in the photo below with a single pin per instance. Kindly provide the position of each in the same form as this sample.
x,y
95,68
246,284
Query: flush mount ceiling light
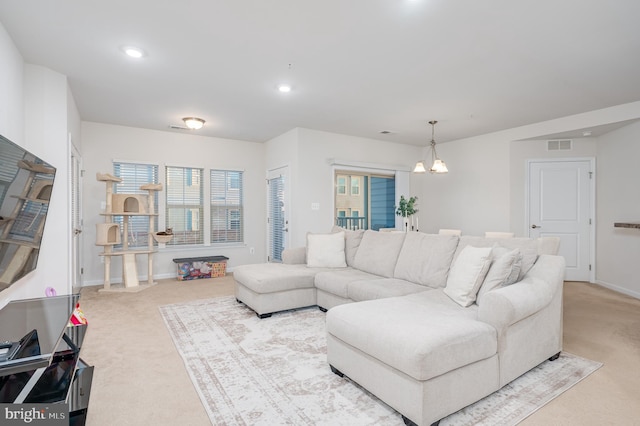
x,y
193,123
134,52
438,166
284,88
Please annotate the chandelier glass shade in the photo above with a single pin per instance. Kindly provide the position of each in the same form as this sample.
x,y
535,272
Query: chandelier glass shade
x,y
437,165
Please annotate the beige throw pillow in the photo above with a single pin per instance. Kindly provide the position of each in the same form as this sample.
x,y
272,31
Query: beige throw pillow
x,y
351,242
504,270
467,274
326,250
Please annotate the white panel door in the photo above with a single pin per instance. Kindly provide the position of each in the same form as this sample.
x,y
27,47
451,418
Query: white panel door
x,y
560,205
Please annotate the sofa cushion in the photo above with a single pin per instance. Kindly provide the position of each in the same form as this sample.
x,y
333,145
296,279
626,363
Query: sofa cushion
x,y
352,241
504,270
467,274
425,259
326,250
294,256
386,329
381,288
336,281
528,247
273,277
378,252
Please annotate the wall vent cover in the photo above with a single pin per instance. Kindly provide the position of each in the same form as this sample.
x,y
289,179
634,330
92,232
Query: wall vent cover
x,y
559,145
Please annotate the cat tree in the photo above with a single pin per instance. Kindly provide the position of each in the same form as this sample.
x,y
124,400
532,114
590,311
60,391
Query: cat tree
x,y
108,233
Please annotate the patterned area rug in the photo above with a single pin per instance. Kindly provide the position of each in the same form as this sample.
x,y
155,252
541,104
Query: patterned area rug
x,y
274,372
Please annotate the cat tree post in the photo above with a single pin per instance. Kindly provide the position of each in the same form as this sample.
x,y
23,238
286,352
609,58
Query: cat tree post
x,y
108,233
103,231
152,188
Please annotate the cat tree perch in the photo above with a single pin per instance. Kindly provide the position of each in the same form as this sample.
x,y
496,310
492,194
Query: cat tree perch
x,y
108,233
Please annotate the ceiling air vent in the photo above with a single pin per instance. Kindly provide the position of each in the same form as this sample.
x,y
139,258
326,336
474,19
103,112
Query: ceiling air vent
x,y
559,145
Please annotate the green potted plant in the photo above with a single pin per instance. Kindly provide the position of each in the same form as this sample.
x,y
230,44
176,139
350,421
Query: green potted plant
x,y
407,208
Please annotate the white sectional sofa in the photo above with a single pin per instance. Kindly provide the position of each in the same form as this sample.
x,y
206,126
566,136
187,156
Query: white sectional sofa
x,y
439,322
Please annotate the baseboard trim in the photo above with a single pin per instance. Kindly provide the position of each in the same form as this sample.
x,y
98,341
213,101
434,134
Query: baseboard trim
x,y
142,278
619,289
91,283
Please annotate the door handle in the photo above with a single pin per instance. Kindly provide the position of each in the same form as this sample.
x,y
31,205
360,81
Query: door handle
x,y
285,229
535,226
77,231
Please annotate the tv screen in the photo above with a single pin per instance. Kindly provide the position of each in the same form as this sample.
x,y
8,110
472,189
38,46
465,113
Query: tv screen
x,y
26,183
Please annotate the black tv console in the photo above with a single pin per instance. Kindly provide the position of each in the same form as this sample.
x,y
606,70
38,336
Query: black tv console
x,y
40,356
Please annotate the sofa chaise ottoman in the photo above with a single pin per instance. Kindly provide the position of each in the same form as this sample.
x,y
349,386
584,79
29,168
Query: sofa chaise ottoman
x,y
427,357
428,323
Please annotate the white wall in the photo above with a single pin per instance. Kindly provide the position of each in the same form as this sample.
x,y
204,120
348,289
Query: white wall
x,y
618,174
33,113
311,153
11,88
46,133
474,195
103,143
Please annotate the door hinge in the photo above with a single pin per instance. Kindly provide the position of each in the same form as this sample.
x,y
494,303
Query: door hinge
x,y
81,271
268,258
589,221
81,173
589,266
590,175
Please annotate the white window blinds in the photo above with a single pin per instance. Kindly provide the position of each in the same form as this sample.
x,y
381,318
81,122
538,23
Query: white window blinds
x,y
276,218
184,211
133,176
227,214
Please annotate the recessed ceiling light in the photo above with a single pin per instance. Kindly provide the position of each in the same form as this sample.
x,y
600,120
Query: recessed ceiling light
x,y
586,133
133,52
284,88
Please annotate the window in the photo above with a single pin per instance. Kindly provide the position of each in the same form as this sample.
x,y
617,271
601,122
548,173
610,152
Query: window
x,y
370,203
184,210
355,185
341,185
227,214
133,176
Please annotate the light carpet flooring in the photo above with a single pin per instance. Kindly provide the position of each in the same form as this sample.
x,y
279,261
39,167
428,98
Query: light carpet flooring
x,y
140,378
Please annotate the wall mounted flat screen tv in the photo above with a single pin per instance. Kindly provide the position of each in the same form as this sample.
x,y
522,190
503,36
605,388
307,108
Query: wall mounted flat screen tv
x,y
26,184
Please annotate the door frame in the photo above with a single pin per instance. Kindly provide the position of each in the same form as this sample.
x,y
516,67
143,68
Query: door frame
x,y
76,264
592,199
283,170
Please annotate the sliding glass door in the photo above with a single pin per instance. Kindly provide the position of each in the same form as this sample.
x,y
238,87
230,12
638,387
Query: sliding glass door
x,y
364,200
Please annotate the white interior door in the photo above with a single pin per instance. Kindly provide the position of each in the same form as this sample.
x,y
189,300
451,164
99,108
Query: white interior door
x,y
76,218
277,213
560,205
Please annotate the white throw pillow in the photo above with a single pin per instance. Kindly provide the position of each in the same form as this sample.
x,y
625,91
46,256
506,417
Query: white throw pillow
x,y
504,270
467,274
326,250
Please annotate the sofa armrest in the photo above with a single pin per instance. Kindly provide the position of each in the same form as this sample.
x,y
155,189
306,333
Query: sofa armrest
x,y
294,256
507,305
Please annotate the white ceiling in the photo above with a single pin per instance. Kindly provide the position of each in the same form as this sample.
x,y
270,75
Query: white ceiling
x,y
357,66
